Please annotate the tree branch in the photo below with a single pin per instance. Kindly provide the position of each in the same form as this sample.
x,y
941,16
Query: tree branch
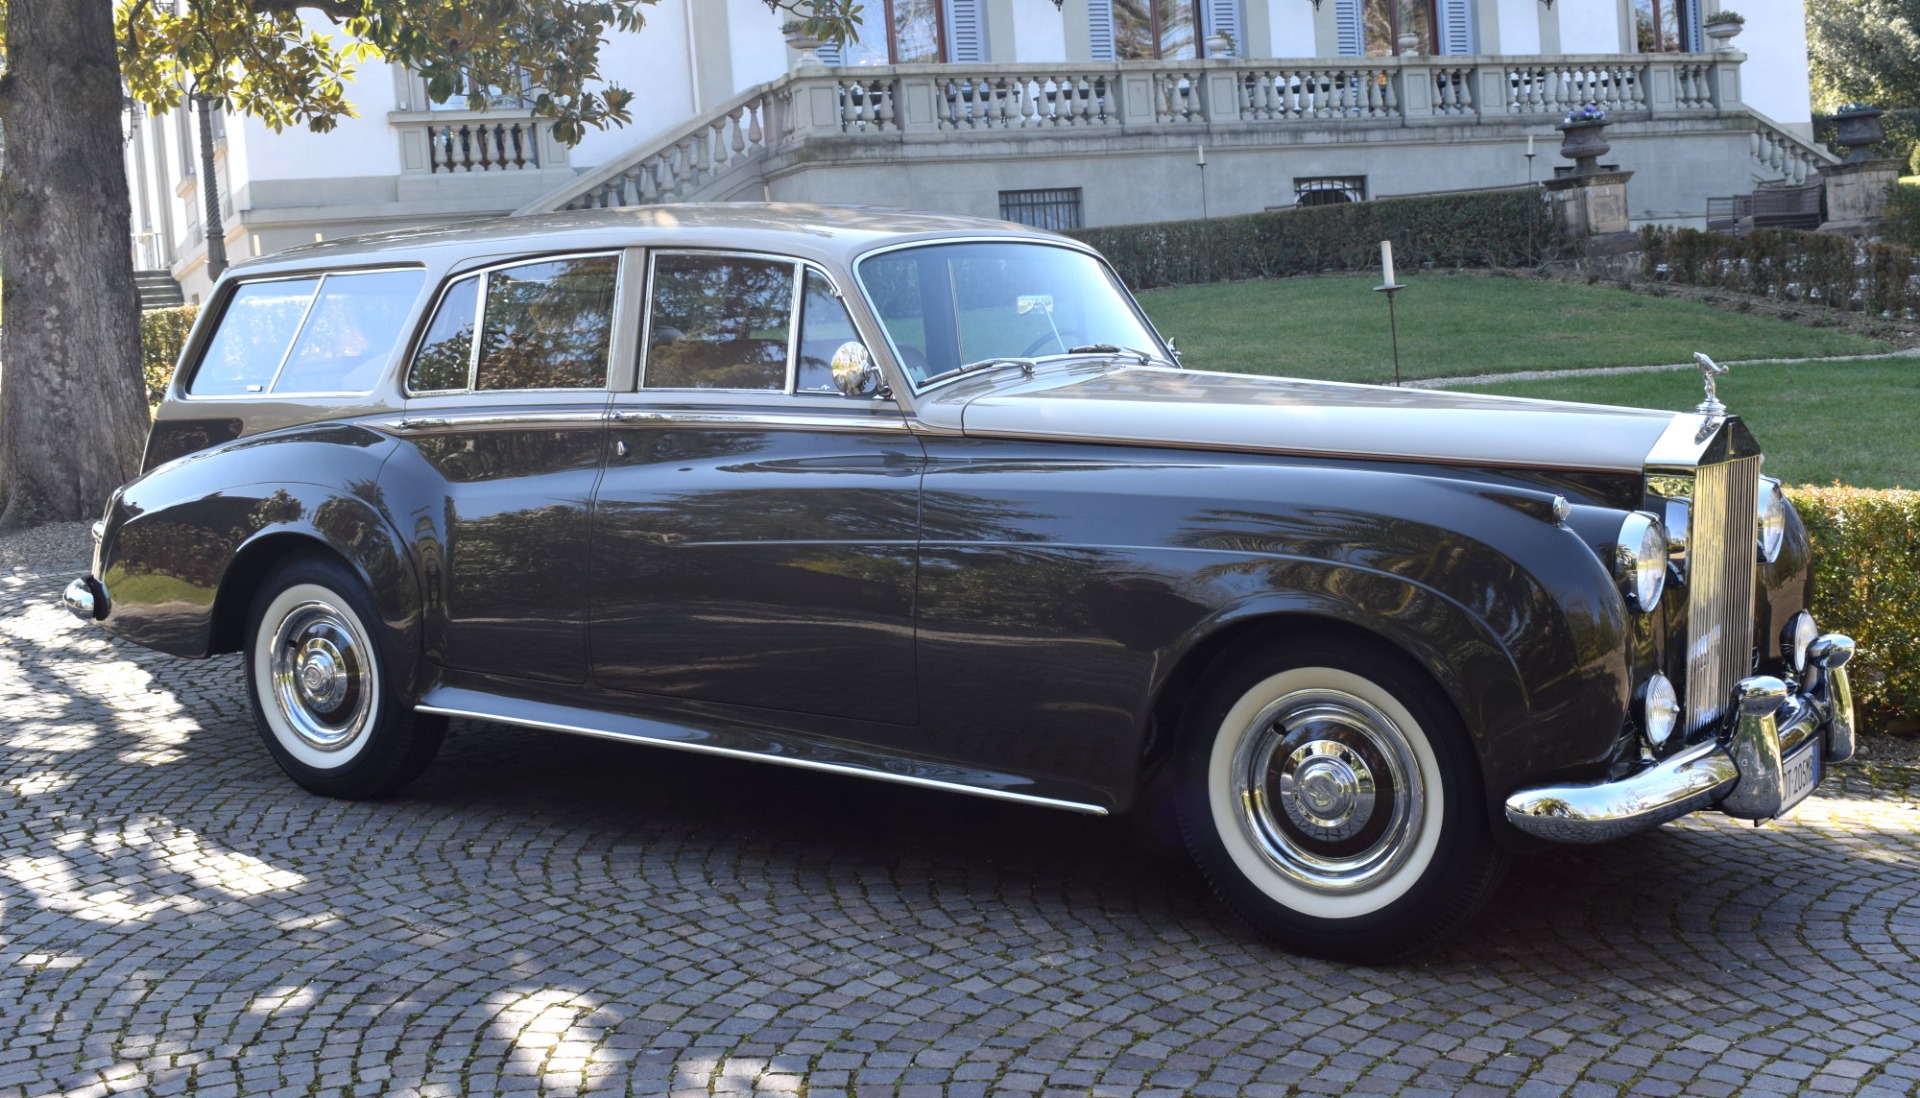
x,y
335,10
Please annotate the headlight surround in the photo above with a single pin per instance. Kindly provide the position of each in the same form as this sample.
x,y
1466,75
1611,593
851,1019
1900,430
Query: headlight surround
x,y
1772,526
1659,709
1640,560
1796,639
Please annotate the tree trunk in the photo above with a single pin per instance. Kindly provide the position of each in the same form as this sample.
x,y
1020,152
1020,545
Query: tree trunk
x,y
73,416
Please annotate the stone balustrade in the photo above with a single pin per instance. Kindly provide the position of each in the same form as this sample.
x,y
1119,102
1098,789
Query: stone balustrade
x,y
904,102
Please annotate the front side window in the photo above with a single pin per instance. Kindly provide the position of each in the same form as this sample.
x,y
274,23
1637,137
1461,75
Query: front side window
x,y
945,306
719,322
328,334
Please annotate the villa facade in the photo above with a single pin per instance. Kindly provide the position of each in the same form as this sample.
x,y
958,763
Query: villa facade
x,y
1085,112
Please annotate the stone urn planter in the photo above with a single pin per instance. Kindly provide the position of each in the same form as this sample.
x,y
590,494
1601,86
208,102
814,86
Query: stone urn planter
x,y
1583,141
1409,45
1723,34
1858,128
804,45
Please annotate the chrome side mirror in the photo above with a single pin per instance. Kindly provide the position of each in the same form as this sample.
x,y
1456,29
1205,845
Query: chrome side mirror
x,y
854,371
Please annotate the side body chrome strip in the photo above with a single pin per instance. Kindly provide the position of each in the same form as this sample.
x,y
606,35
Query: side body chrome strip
x,y
659,734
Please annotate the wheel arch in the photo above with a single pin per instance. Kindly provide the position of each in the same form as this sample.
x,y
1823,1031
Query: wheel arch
x,y
1486,690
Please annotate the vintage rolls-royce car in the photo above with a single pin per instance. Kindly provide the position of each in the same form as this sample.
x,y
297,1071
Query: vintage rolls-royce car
x,y
927,499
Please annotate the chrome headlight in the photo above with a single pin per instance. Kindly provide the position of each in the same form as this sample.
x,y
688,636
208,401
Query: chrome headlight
x,y
1640,560
1796,639
1772,533
1659,709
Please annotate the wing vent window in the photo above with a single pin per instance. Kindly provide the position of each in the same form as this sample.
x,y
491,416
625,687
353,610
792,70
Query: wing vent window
x,y
545,325
308,336
720,322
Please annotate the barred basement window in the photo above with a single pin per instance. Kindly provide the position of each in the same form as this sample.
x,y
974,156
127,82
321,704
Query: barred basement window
x,y
1055,209
1329,190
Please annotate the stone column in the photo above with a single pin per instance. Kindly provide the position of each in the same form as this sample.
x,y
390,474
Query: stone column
x,y
1591,205
1857,194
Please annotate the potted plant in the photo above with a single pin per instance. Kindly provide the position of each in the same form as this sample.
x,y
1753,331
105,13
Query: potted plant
x,y
1857,126
1580,137
1409,45
804,44
1723,25
1220,44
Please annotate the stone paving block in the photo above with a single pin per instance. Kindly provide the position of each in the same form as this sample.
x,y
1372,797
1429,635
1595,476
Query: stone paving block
x,y
545,915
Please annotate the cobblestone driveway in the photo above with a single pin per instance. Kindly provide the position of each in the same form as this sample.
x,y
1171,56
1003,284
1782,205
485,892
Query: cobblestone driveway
x,y
546,913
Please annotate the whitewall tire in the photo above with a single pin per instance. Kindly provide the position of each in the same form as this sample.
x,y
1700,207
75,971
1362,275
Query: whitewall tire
x,y
1332,799
319,677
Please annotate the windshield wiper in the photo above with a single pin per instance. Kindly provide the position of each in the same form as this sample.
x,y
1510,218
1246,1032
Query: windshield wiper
x,y
1025,364
1147,358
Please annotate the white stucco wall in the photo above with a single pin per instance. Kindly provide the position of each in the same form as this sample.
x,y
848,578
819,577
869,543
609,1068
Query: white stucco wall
x,y
1586,26
655,65
1292,30
359,146
1774,79
753,34
1039,32
1520,24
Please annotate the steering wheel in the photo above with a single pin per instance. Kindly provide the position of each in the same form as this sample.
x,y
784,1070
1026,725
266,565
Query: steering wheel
x,y
1066,339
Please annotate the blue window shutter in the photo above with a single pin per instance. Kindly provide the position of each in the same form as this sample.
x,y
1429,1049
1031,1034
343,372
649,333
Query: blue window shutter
x,y
1100,29
1696,27
1456,26
966,32
829,54
1346,14
1223,16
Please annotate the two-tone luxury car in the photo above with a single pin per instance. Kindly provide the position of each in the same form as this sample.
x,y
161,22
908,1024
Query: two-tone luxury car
x,y
927,499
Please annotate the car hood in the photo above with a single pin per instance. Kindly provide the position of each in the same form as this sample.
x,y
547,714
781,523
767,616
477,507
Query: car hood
x,y
1187,408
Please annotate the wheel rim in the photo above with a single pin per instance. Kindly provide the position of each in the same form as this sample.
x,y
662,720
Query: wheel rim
x,y
323,678
1328,790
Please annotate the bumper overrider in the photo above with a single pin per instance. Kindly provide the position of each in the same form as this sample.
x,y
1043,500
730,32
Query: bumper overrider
x,y
1768,757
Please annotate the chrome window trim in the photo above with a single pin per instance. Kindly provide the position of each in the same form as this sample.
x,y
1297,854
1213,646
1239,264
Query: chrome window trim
x,y
269,392
932,242
618,256
800,419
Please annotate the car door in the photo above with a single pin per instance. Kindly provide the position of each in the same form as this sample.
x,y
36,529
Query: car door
x,y
506,428
754,535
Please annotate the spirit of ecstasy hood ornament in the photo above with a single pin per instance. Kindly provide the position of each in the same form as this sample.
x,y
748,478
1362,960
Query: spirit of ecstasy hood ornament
x,y
1708,370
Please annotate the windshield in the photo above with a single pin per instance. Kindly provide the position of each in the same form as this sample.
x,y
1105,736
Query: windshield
x,y
946,306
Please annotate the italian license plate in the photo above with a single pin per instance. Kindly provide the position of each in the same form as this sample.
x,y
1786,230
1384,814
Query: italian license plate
x,y
1802,773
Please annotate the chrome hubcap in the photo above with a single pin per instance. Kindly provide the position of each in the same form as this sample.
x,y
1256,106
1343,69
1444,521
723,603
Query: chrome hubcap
x,y
322,679
1329,790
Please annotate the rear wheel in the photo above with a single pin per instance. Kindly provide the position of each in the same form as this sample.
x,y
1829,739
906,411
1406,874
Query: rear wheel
x,y
319,678
1330,795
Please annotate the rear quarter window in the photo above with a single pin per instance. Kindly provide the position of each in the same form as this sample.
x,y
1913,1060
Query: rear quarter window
x,y
333,333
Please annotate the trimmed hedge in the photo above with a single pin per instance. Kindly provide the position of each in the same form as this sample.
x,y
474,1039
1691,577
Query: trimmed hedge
x,y
162,333
1504,228
1903,216
1866,584
1787,265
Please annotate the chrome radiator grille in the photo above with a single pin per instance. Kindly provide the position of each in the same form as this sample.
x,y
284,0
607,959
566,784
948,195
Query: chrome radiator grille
x,y
1720,576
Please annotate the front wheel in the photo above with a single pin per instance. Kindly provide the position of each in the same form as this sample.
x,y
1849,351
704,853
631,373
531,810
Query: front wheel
x,y
320,682
1330,795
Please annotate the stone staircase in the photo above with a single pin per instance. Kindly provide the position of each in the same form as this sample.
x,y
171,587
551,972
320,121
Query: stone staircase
x,y
158,290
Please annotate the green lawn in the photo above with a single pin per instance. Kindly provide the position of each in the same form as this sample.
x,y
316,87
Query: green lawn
x,y
1855,422
1455,325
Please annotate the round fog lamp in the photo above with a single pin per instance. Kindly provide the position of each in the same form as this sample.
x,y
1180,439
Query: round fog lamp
x,y
1799,636
1659,709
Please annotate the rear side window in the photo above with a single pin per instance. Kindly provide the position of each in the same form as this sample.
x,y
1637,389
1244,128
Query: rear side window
x,y
544,325
332,334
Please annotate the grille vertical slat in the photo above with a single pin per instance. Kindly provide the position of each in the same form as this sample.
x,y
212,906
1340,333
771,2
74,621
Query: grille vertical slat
x,y
1720,562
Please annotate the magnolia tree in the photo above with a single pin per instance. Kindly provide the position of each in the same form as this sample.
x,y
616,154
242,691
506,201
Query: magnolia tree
x,y
72,411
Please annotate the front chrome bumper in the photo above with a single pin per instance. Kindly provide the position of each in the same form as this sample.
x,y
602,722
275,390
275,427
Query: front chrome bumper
x,y
1768,758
